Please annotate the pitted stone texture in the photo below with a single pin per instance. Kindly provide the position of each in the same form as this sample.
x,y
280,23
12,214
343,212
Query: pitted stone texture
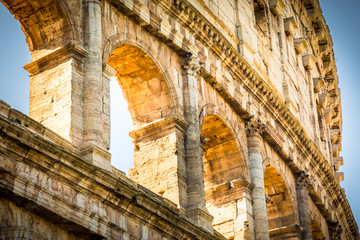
x,y
265,60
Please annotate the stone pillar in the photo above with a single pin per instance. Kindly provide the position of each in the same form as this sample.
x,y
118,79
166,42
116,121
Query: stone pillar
x,y
230,204
94,147
56,91
108,72
159,159
302,193
254,129
193,146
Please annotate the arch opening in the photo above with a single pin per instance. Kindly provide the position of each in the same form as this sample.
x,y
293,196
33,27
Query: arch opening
x,y
222,159
280,210
143,84
223,177
148,99
46,28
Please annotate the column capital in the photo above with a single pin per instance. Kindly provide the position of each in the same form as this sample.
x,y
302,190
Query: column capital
x,y
254,127
302,180
192,64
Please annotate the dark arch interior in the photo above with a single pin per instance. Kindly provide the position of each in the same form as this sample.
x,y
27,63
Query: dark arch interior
x,y
222,160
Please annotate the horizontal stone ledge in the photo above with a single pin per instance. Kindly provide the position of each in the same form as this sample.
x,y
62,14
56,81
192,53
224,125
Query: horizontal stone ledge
x,y
157,127
239,186
56,57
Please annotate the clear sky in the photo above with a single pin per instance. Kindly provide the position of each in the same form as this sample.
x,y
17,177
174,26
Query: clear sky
x,y
342,17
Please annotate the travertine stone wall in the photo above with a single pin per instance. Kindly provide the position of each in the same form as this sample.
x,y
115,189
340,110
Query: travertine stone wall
x,y
231,101
159,159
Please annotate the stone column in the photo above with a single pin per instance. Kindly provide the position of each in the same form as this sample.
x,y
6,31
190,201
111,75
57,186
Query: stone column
x,y
254,129
193,146
302,193
94,146
108,72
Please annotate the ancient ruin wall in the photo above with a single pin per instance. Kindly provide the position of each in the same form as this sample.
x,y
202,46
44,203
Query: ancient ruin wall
x,y
237,121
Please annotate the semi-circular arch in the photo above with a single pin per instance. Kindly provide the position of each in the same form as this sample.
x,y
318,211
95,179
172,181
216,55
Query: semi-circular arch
x,y
212,109
45,23
120,39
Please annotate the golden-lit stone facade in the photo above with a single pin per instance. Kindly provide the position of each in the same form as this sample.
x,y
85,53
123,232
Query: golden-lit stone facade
x,y
237,117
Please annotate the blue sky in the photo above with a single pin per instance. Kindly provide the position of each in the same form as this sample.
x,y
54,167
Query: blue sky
x,y
343,19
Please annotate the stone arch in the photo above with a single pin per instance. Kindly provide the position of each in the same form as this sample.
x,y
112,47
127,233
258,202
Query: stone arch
x,y
158,133
45,23
144,82
282,169
221,146
281,211
225,181
320,227
234,127
122,39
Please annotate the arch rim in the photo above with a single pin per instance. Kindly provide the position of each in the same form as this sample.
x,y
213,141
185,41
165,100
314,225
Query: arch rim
x,y
120,39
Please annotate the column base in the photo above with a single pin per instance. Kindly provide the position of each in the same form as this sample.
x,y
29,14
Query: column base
x,y
98,157
202,218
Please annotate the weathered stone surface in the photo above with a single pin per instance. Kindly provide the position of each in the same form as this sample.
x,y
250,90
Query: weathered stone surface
x,y
230,100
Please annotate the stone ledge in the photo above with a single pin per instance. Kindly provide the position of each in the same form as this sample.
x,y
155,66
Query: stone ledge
x,y
157,127
57,57
233,188
14,116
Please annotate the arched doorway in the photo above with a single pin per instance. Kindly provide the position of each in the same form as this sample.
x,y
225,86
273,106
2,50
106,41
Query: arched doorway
x,y
282,219
226,188
156,137
143,84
